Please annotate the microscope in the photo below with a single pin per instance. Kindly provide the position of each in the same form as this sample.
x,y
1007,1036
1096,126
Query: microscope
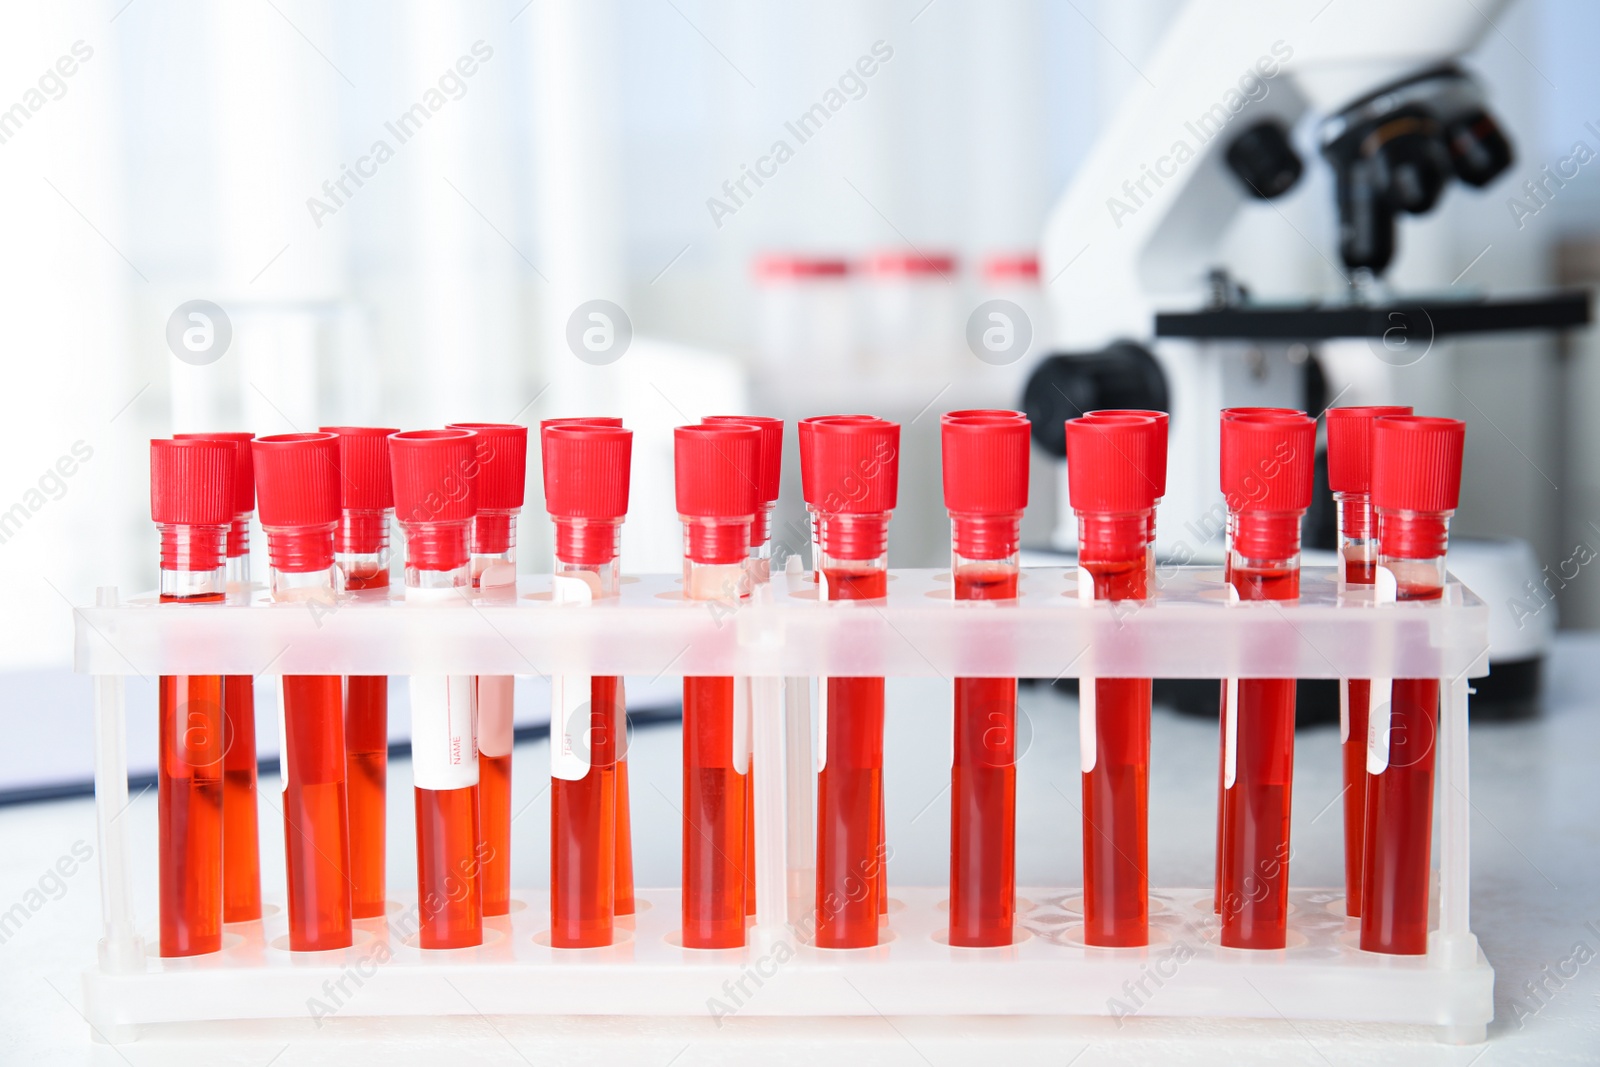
x,y
1145,315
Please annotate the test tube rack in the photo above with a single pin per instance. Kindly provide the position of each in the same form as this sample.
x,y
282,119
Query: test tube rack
x,y
783,633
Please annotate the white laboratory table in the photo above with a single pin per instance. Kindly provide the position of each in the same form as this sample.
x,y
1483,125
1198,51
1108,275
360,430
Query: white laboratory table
x,y
1535,908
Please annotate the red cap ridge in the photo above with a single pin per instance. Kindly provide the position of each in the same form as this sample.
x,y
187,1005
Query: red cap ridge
x,y
1350,446
770,462
855,465
1267,463
1416,463
502,463
586,469
191,482
244,482
717,476
299,489
985,467
808,475
432,473
365,480
1111,463
1157,429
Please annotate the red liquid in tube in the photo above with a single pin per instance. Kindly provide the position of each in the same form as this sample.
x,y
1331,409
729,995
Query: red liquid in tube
x,y
316,846
582,842
850,855
1255,847
190,809
714,815
241,845
366,742
1416,485
983,788
1116,877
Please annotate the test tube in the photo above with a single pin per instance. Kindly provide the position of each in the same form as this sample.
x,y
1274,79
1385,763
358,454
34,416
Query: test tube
x,y
769,479
241,847
1266,477
586,468
298,475
624,903
857,478
718,496
1350,478
1222,699
1416,484
502,464
192,504
1113,468
985,469
435,499
361,552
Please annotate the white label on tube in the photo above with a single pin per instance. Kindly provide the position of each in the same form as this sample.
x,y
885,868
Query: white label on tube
x,y
1230,730
741,724
495,714
283,742
570,693
444,745
1378,726
822,687
822,724
1088,746
1386,591
1085,586
1386,588
1344,711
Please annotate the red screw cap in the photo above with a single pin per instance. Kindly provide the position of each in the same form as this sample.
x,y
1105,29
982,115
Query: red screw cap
x,y
1350,446
808,473
769,463
855,465
502,454
191,482
432,472
1267,462
717,472
716,469
985,464
980,414
244,481
299,487
1111,462
299,476
1157,428
1416,463
985,480
586,468
366,482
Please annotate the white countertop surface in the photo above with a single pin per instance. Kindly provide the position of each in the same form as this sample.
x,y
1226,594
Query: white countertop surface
x,y
1536,889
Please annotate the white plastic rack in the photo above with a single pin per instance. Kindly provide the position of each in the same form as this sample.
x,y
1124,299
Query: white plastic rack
x,y
1189,630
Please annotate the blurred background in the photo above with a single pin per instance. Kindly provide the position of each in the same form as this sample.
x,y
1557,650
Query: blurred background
x,y
403,214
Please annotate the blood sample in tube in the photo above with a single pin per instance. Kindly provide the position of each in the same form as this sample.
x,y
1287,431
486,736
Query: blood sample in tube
x,y
857,479
1416,485
1266,477
298,479
586,477
985,468
435,501
361,552
192,504
718,497
1114,480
